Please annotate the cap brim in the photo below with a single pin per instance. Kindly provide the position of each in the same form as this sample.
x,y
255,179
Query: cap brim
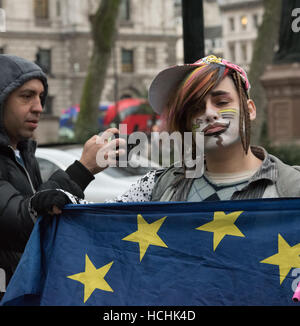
x,y
165,83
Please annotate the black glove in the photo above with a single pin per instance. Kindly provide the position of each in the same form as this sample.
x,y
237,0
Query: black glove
x,y
43,201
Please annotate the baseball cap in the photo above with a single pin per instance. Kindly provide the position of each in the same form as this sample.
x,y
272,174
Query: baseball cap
x,y
168,79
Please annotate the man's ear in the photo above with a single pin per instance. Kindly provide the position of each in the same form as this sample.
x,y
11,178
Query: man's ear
x,y
252,109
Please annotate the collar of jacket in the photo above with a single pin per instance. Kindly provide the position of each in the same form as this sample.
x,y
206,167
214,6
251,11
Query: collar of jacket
x,y
268,169
25,146
288,181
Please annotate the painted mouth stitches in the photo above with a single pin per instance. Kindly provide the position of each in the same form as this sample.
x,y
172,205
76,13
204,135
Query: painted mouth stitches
x,y
215,129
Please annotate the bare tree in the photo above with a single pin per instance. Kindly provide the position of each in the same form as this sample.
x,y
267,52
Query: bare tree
x,y
103,29
263,53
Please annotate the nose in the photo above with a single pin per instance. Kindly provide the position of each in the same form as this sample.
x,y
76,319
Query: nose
x,y
211,114
37,105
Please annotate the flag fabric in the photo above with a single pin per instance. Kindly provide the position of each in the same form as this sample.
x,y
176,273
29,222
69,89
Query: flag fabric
x,y
244,252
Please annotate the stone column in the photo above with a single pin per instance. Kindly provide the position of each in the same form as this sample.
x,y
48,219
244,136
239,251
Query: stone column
x,y
282,81
282,86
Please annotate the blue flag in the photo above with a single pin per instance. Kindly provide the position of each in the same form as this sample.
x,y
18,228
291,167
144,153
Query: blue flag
x,y
244,252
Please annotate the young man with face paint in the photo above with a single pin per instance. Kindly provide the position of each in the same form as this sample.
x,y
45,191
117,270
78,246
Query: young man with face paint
x,y
219,120
211,96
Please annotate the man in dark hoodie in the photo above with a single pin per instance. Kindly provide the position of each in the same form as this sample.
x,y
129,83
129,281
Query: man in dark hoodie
x,y
23,196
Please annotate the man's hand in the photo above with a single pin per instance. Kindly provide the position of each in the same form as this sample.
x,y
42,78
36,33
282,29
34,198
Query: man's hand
x,y
49,201
102,145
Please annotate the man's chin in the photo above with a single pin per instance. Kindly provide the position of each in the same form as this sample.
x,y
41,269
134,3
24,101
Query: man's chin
x,y
214,144
27,135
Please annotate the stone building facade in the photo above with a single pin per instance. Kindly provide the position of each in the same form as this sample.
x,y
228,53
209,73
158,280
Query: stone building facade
x,y
56,34
240,20
213,31
213,38
230,29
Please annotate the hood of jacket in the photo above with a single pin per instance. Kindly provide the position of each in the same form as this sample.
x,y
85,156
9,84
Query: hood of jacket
x,y
14,72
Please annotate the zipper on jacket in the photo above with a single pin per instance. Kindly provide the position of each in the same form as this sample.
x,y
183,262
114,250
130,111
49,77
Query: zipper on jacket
x,y
24,169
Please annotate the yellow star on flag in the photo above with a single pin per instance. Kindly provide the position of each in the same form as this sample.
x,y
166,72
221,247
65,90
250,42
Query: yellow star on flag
x,y
221,225
287,257
92,278
146,235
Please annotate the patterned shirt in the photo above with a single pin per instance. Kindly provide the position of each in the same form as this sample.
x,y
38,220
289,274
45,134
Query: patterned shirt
x,y
249,189
204,189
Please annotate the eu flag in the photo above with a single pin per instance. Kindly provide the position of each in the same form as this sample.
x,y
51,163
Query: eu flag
x,y
244,252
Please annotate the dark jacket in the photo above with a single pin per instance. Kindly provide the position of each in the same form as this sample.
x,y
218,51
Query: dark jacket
x,y
18,184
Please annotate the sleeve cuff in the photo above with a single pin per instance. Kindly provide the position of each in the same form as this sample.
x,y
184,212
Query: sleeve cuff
x,y
80,174
33,214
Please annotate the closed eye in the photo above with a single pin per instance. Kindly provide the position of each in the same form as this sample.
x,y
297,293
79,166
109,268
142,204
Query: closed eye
x,y
222,103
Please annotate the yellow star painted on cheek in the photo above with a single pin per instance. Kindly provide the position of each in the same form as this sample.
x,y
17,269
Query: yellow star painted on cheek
x,y
92,278
221,225
287,257
146,235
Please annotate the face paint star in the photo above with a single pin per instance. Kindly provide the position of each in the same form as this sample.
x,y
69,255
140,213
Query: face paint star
x,y
92,278
221,225
146,235
287,257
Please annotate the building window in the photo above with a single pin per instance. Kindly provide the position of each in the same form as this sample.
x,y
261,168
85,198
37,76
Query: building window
x,y
125,10
219,43
178,9
127,60
255,20
1,4
232,52
244,52
58,8
231,24
244,22
43,59
2,20
1,50
208,46
41,9
150,57
48,107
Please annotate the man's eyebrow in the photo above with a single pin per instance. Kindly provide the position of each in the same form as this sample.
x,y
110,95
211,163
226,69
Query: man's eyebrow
x,y
30,91
218,93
